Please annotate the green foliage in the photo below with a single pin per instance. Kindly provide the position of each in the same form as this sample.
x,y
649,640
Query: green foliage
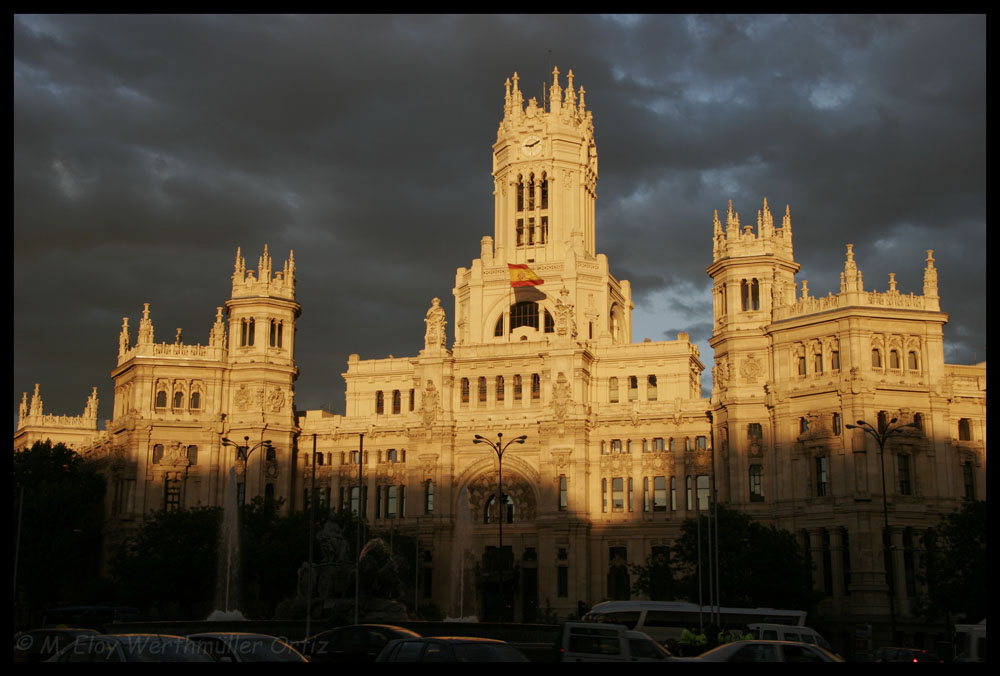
x,y
655,579
168,567
955,572
759,566
59,534
273,548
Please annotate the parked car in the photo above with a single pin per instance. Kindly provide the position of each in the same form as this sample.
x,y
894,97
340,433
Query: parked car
x,y
131,648
231,646
352,643
905,655
450,649
788,632
38,645
599,642
766,651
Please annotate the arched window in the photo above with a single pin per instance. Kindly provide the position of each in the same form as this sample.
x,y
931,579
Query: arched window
x,y
894,359
544,185
876,359
912,362
550,325
489,514
195,400
659,494
964,430
178,399
651,388
465,390
275,333
379,403
247,328
270,454
482,389
524,313
903,465
520,196
498,330
161,399
157,453
397,401
499,387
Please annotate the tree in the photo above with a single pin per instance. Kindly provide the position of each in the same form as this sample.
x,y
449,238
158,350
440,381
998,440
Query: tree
x,y
58,498
274,547
168,567
759,566
655,579
955,570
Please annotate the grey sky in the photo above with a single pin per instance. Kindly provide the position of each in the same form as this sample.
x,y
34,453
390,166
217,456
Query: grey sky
x,y
148,148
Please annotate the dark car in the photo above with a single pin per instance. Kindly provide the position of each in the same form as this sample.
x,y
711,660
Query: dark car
x,y
766,651
232,646
131,648
353,643
38,645
906,655
450,649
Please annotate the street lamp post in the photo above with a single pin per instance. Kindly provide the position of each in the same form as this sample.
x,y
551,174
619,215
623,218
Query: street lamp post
x,y
243,453
881,436
499,447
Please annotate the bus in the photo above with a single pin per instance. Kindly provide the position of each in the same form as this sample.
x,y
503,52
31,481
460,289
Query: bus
x,y
665,620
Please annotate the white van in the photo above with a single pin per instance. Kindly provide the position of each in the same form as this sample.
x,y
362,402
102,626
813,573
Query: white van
x,y
598,642
788,632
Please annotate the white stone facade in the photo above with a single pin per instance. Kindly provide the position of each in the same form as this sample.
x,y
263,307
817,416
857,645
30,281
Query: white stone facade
x,y
620,445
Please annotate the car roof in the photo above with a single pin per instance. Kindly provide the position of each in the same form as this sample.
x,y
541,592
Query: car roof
x,y
231,634
456,639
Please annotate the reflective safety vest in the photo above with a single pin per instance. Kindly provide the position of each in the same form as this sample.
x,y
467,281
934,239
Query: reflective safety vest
x,y
687,637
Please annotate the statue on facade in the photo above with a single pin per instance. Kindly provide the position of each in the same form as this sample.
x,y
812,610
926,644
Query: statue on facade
x,y
435,335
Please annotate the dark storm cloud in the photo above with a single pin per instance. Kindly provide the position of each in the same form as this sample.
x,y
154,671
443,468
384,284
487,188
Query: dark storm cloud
x,y
148,148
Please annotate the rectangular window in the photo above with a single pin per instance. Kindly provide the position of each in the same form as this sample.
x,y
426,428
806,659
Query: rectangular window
x,y
517,388
756,483
563,582
616,446
659,494
673,494
429,497
604,495
411,398
465,390
633,388
631,503
964,430
703,492
819,362
755,431
701,443
835,360
658,445
536,386
379,403
904,474
172,495
613,390
482,389
836,424
645,494
821,477
690,495
969,480
651,388
397,402
617,494
499,388
802,366
563,496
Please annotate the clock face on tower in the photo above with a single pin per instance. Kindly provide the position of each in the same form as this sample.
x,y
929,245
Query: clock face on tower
x,y
532,146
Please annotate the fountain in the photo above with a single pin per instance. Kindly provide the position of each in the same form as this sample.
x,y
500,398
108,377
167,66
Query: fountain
x,y
227,587
461,564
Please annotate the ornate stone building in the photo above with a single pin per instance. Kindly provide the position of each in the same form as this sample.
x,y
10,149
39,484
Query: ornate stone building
x,y
620,446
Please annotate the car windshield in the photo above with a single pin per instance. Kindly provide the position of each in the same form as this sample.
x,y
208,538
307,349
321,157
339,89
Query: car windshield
x,y
159,649
487,652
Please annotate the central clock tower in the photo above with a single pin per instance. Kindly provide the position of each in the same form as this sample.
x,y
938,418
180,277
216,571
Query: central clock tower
x,y
545,175
545,181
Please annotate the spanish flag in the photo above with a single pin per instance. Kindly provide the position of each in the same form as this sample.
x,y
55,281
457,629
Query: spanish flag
x,y
522,275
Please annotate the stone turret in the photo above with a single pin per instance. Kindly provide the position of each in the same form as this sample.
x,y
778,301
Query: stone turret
x,y
280,285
